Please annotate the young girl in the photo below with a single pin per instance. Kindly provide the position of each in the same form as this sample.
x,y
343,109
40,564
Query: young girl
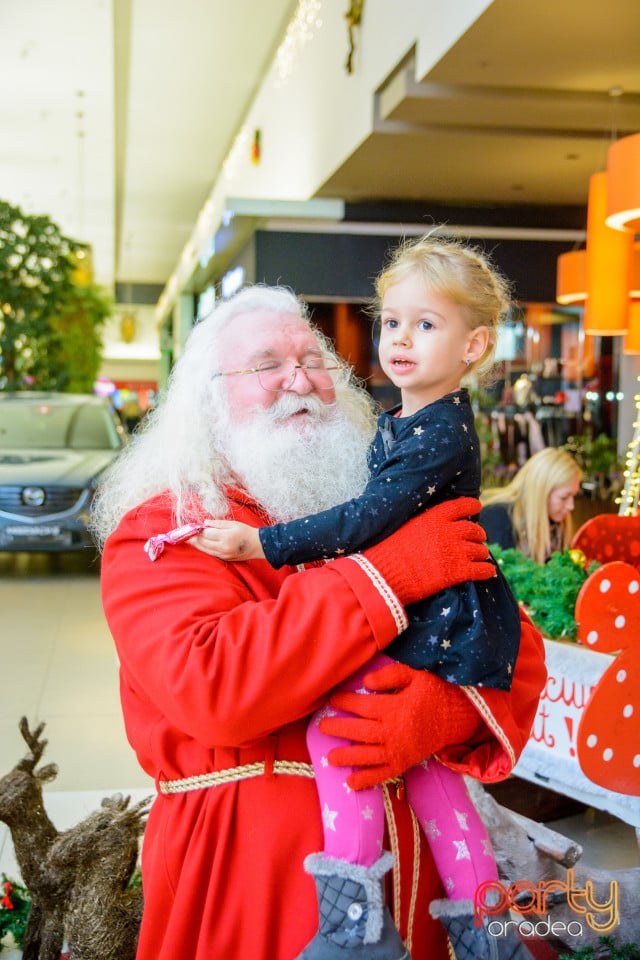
x,y
440,304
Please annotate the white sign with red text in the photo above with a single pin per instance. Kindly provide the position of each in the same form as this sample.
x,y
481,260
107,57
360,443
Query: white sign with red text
x,y
550,757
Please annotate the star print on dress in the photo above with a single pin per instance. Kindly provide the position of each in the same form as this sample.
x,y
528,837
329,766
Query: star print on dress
x,y
367,813
417,461
329,818
449,884
462,850
487,849
324,762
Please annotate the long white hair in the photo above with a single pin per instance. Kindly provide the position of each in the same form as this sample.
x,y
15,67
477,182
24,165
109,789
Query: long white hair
x,y
177,448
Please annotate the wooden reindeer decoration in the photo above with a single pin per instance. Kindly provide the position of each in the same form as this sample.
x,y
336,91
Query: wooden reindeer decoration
x,y
33,835
103,913
78,879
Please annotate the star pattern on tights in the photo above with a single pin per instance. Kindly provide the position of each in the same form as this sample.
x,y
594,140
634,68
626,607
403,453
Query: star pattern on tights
x,y
462,818
462,850
431,829
329,818
325,711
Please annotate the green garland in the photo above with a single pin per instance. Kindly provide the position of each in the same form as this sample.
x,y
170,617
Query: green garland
x,y
15,904
548,591
614,951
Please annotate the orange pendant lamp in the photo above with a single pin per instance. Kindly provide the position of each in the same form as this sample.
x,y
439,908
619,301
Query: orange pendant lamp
x,y
609,263
623,169
631,343
571,289
634,292
571,277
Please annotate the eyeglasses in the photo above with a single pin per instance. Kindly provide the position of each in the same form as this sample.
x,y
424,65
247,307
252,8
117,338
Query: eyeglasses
x,y
276,375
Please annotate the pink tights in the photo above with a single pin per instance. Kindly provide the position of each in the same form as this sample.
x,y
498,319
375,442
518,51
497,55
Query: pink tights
x,y
353,820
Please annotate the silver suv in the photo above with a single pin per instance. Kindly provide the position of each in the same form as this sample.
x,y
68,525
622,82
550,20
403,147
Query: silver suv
x,y
53,449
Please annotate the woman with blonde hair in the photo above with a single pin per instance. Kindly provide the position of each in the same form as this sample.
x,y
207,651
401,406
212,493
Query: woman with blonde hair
x,y
533,512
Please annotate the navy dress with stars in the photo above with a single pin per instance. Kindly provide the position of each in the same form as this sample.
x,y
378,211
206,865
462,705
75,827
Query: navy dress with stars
x,y
467,634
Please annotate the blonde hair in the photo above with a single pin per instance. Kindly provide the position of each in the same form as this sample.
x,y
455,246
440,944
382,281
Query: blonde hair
x,y
460,273
528,495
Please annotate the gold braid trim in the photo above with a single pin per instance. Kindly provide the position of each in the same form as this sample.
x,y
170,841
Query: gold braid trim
x,y
415,878
398,785
481,706
203,781
395,849
395,607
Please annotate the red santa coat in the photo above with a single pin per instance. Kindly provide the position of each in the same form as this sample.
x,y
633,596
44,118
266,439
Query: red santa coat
x,y
220,666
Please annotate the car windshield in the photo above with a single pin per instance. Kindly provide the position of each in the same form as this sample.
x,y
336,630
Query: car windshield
x,y
30,426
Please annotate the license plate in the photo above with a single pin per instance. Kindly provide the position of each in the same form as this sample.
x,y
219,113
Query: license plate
x,y
32,532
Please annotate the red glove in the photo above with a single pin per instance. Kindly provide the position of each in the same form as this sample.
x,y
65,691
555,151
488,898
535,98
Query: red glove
x,y
434,550
413,715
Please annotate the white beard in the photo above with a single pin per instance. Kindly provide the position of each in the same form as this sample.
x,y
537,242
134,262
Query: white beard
x,y
299,466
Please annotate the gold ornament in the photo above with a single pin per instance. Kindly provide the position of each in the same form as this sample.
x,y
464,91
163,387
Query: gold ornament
x,y
578,558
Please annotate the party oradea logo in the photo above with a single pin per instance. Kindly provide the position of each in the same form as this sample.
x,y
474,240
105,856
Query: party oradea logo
x,y
533,901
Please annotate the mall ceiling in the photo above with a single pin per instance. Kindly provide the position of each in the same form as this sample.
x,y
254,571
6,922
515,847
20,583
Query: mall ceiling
x,y
520,111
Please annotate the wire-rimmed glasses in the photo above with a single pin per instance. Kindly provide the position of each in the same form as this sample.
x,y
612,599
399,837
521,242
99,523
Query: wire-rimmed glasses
x,y
277,375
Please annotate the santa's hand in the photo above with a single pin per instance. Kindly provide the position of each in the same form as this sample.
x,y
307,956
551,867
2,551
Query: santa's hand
x,y
410,715
229,540
436,549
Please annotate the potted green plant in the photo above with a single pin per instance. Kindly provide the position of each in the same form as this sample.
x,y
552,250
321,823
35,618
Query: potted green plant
x,y
51,313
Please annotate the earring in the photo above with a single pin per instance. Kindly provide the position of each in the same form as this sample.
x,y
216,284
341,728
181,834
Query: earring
x,y
467,360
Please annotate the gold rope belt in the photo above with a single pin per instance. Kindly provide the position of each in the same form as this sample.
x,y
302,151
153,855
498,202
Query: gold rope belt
x,y
202,781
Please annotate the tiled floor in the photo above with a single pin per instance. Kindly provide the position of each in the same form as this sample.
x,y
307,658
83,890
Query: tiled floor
x,y
59,667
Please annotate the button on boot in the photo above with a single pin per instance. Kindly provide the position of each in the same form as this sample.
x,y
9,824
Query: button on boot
x,y
354,923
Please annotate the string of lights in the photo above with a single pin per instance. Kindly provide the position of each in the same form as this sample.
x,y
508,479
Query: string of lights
x,y
628,500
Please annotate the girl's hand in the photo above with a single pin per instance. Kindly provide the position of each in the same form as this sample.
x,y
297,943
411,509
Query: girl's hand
x,y
229,540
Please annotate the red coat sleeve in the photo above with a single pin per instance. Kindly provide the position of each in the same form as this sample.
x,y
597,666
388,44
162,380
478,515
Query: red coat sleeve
x,y
231,652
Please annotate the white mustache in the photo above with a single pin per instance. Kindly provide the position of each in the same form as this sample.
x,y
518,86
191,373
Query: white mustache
x,y
289,404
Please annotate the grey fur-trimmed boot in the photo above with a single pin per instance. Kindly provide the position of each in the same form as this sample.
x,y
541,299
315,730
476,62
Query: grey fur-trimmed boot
x,y
354,922
470,942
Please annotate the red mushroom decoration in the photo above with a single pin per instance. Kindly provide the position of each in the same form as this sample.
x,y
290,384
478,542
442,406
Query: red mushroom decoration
x,y
609,537
608,738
